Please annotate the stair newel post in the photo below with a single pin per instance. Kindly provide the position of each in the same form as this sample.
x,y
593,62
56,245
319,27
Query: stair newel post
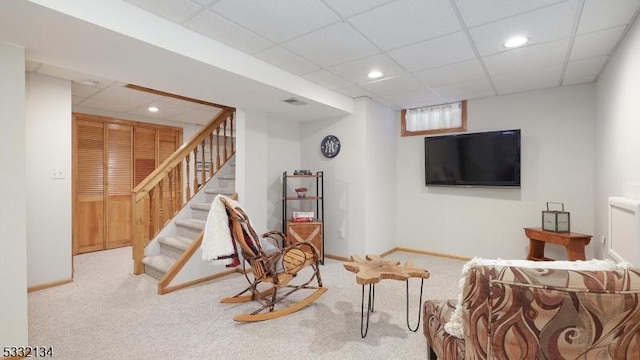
x,y
218,148
224,130
138,234
188,193
203,171
211,155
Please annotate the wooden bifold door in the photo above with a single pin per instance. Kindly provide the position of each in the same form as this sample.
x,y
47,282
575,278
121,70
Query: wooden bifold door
x,y
110,157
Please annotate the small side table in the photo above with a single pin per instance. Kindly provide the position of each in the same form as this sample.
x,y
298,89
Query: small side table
x,y
372,270
573,242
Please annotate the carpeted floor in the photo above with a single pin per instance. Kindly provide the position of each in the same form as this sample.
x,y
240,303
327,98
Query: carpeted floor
x,y
107,313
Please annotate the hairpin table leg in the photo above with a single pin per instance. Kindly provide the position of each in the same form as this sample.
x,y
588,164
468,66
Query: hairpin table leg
x,y
370,303
419,305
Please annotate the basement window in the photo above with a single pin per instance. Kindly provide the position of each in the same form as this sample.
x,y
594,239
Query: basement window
x,y
437,119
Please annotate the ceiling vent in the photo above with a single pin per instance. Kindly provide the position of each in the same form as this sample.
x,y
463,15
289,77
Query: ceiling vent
x,y
294,101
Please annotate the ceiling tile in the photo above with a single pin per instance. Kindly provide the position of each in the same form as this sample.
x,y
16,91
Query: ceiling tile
x,y
598,14
414,99
465,90
287,60
353,91
398,84
126,97
193,117
527,57
578,80
448,74
348,8
332,45
356,71
216,27
444,50
104,105
477,12
74,76
585,67
166,109
206,2
84,90
327,79
595,43
539,78
405,22
557,19
75,100
277,20
174,10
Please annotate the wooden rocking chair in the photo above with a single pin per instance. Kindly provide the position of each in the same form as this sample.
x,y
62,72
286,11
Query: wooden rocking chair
x,y
275,267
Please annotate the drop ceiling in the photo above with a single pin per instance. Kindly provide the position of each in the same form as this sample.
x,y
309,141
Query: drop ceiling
x,y
430,51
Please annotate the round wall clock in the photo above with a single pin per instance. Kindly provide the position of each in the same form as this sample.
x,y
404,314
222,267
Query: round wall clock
x,y
330,146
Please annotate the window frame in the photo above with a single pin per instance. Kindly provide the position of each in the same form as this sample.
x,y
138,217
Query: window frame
x,y
462,128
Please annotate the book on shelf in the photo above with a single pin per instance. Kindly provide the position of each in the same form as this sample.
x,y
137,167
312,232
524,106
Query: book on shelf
x,y
303,214
302,219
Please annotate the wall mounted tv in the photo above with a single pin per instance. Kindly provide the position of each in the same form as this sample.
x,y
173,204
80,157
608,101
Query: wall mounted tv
x,y
473,159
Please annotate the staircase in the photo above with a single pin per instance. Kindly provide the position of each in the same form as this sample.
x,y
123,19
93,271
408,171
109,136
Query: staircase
x,y
181,190
169,246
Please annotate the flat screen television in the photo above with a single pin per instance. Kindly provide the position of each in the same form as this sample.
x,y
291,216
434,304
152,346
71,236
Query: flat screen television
x,y
473,159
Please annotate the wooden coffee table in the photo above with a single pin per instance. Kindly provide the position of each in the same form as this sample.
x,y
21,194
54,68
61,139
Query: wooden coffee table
x,y
371,270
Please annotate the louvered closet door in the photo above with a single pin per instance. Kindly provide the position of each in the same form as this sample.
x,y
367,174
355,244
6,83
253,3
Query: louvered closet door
x,y
168,141
144,155
89,187
119,185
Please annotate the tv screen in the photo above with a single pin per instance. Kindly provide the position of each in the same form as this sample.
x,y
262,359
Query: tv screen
x,y
473,159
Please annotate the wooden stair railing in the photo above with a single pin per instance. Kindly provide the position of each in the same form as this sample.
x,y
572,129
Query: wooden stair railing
x,y
158,197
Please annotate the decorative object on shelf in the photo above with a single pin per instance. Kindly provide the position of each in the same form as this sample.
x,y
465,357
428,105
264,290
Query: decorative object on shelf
x,y
301,192
330,146
555,220
301,172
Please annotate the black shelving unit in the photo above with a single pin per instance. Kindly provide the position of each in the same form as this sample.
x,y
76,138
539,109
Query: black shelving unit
x,y
304,231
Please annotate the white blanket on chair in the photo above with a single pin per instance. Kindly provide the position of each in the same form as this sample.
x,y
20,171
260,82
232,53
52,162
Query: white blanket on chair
x,y
217,240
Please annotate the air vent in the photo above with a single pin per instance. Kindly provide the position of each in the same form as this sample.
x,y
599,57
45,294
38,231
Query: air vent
x,y
294,101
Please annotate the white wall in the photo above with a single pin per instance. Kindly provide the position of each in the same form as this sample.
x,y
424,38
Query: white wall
x,y
557,165
617,129
343,179
382,132
49,200
284,155
359,181
13,211
251,165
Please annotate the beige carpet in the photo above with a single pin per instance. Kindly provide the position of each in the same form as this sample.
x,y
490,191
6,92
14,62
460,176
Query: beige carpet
x,y
107,313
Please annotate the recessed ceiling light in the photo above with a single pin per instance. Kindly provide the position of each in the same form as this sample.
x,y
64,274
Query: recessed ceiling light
x,y
89,82
153,109
516,41
375,74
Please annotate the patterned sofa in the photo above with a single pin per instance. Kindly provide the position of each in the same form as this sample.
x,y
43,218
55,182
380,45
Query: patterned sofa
x,y
510,312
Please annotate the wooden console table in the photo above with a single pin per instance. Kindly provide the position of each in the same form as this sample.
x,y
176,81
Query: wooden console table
x,y
573,242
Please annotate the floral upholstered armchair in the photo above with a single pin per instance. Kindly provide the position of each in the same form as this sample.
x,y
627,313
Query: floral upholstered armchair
x,y
566,310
